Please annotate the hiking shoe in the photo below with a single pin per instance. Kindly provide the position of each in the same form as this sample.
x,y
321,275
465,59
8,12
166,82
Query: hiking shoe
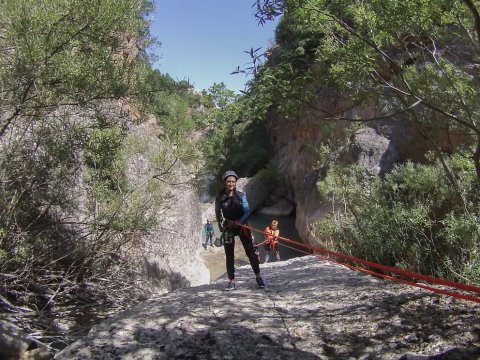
x,y
230,286
260,283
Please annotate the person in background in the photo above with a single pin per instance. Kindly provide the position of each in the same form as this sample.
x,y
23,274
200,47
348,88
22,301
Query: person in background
x,y
232,210
209,233
271,240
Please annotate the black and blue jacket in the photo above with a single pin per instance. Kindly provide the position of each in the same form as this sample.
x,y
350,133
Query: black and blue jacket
x,y
233,208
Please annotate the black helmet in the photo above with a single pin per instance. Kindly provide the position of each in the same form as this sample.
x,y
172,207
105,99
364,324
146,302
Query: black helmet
x,y
229,173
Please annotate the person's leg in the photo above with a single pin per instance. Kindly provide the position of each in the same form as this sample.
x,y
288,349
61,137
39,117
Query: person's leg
x,y
252,256
250,252
267,253
277,252
230,259
257,252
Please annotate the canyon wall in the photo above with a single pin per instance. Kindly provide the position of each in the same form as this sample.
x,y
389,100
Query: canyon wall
x,y
378,145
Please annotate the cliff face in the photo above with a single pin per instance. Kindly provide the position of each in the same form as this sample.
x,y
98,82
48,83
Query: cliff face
x,y
170,257
378,146
167,256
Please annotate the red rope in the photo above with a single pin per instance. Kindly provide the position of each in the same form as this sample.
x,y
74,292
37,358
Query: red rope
x,y
398,271
257,245
392,278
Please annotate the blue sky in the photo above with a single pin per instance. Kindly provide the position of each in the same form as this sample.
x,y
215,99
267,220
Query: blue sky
x,y
203,41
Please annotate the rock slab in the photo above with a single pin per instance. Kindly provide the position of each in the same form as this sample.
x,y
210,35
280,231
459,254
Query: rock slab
x,y
310,309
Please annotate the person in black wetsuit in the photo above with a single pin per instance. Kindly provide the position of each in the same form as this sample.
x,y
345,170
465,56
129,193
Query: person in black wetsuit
x,y
231,210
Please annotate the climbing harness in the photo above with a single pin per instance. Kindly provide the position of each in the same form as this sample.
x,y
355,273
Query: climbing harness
x,y
226,237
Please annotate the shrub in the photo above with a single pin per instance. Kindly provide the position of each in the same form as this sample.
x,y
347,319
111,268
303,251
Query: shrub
x,y
413,218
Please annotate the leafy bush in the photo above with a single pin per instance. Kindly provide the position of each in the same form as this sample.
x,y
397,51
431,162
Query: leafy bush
x,y
66,207
232,139
413,218
271,175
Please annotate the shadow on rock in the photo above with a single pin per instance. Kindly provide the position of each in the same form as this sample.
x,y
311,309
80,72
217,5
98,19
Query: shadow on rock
x,y
310,309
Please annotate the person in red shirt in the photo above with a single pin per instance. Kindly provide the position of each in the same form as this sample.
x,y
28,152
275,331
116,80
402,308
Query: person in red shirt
x,y
271,240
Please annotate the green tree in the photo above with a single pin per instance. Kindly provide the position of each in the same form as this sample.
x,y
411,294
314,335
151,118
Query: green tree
x,y
410,219
234,139
220,96
414,58
70,72
67,52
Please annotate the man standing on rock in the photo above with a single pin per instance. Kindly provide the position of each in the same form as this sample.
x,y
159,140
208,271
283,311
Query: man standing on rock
x,y
232,210
209,233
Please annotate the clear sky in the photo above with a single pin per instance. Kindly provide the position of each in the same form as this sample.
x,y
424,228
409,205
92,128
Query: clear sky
x,y
203,41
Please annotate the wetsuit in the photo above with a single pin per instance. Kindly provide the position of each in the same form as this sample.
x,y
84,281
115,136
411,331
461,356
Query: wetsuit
x,y
235,208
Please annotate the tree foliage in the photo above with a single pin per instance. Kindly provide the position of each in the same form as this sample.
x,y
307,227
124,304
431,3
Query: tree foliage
x,y
67,52
413,60
416,58
73,74
234,139
410,219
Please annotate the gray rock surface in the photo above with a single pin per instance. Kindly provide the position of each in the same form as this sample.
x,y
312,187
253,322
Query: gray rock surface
x,y
378,145
257,190
13,343
310,309
283,207
169,256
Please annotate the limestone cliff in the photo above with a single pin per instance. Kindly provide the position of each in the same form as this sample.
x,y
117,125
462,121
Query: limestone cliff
x,y
171,255
378,145
141,237
167,256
